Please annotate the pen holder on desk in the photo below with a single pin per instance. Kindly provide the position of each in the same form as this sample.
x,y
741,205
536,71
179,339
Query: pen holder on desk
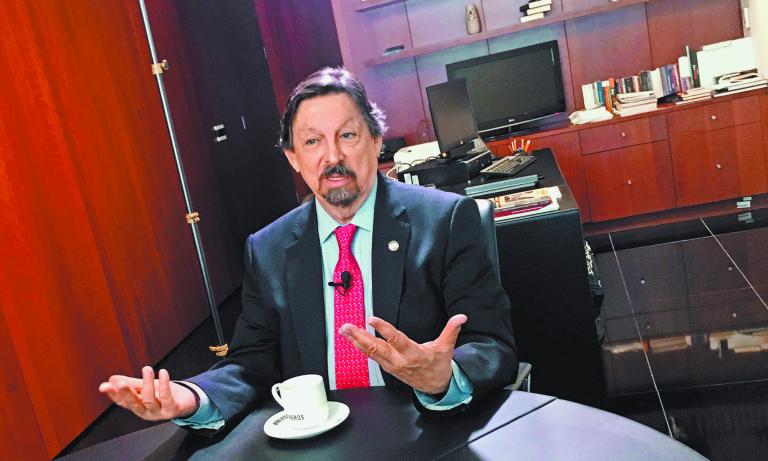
x,y
519,147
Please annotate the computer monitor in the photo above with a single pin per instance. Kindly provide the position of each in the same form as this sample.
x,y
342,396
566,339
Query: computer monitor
x,y
513,87
452,117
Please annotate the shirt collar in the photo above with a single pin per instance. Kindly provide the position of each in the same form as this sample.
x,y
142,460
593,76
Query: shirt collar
x,y
363,219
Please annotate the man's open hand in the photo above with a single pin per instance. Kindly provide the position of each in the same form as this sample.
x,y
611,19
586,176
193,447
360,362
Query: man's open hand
x,y
149,398
425,367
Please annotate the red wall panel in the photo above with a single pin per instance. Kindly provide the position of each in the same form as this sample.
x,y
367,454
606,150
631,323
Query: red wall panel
x,y
613,44
99,270
672,24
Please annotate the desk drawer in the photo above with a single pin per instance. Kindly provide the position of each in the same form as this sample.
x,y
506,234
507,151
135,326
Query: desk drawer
x,y
714,116
623,134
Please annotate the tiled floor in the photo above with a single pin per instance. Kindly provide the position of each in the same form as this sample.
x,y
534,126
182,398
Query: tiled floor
x,y
686,322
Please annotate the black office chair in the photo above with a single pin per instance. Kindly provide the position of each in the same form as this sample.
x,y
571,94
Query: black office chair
x,y
485,206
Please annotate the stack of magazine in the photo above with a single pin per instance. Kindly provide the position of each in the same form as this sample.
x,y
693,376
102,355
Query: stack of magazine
x,y
634,103
738,82
535,9
519,204
694,94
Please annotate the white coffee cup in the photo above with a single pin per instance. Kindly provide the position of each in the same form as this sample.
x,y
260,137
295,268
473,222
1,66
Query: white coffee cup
x,y
303,399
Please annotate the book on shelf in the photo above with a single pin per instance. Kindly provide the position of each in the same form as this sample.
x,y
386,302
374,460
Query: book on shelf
x,y
684,68
635,103
636,96
693,95
538,3
693,62
531,11
532,17
520,204
626,112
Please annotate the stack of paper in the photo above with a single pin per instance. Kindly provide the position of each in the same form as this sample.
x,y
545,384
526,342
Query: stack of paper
x,y
739,81
526,203
535,9
635,103
693,95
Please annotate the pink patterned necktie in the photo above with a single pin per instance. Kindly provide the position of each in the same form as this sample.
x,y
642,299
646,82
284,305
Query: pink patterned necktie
x,y
348,307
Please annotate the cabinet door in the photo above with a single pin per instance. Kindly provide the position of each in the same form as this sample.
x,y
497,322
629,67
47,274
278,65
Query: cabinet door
x,y
714,116
629,181
623,134
719,164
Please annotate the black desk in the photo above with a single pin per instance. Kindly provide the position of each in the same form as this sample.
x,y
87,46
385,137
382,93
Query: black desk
x,y
543,270
384,425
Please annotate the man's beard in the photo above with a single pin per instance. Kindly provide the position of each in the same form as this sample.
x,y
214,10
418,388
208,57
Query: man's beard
x,y
342,196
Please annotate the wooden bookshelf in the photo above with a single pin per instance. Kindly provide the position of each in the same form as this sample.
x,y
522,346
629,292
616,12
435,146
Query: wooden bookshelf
x,y
367,5
485,35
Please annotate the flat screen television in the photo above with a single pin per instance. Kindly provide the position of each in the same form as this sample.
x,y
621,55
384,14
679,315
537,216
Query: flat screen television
x,y
452,117
513,87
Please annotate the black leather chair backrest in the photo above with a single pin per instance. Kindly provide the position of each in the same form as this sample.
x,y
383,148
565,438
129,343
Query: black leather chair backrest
x,y
489,231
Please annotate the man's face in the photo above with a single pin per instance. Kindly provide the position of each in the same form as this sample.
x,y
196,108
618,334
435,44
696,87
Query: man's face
x,y
334,152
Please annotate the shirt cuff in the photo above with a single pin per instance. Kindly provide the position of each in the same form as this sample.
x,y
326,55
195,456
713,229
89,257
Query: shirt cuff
x,y
459,392
207,415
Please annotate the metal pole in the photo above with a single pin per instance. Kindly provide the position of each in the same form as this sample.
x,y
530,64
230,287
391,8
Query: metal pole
x,y
192,217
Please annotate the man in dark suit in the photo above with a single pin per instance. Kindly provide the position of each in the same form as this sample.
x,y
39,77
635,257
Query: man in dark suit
x,y
414,262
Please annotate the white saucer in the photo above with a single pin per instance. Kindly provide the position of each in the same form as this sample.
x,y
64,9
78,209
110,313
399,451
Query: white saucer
x,y
281,429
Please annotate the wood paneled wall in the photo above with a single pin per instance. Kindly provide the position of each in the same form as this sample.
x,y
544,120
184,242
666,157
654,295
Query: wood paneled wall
x,y
299,38
616,43
99,273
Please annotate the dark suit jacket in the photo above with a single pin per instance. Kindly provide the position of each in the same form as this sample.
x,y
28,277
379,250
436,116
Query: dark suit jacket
x,y
440,269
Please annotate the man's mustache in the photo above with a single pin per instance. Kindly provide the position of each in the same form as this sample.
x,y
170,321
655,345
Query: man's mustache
x,y
339,169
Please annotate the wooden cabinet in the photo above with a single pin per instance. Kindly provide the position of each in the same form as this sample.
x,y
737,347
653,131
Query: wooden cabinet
x,y
677,156
674,157
718,151
713,116
719,164
629,181
623,134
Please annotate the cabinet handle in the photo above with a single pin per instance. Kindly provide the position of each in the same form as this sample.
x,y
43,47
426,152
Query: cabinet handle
x,y
623,134
713,117
629,182
718,166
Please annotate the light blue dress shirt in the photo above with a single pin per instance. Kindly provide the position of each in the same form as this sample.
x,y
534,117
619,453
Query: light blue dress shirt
x,y
460,388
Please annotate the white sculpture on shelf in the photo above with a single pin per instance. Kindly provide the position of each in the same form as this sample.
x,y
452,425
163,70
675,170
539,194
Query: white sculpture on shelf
x,y
473,19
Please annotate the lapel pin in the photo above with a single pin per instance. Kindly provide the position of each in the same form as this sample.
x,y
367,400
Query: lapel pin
x,y
393,245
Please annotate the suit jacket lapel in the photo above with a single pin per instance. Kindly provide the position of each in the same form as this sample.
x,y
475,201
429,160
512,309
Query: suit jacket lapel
x,y
391,232
305,290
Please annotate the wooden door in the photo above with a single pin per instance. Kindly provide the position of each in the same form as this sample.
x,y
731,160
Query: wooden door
x,y
718,164
629,181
